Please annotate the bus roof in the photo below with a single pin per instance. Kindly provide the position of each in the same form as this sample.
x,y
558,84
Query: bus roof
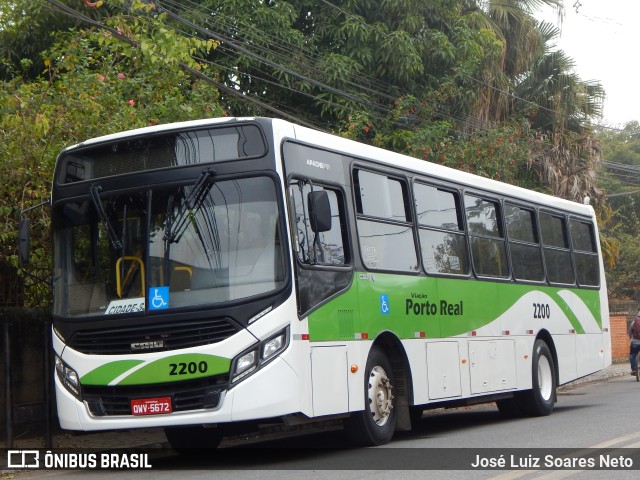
x,y
153,129
361,150
392,159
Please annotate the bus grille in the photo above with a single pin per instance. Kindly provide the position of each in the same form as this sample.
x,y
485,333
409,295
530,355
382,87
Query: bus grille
x,y
188,395
153,338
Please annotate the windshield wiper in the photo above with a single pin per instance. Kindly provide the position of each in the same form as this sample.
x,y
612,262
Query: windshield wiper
x,y
94,191
177,226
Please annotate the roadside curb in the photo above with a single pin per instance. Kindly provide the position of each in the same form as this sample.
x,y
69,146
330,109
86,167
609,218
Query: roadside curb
x,y
620,369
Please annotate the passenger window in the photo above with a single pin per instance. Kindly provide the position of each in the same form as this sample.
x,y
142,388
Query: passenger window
x,y
526,254
441,230
557,255
381,196
585,253
438,208
488,250
385,230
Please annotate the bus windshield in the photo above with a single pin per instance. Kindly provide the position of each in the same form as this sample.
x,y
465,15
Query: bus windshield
x,y
207,242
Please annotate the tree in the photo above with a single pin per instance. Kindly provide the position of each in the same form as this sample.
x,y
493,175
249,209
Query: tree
x,y
522,42
530,79
25,32
96,83
620,180
621,146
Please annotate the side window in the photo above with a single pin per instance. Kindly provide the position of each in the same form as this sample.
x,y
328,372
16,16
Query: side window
x,y
441,230
486,236
318,248
381,196
557,255
384,227
585,253
526,255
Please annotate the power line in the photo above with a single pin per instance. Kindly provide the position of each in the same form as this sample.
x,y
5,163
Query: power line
x,y
275,65
208,16
229,46
60,7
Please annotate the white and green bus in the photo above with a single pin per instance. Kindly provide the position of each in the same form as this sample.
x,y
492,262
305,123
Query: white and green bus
x,y
234,270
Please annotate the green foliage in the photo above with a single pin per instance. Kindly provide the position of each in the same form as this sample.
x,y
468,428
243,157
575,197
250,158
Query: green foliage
x,y
621,224
25,31
92,85
622,146
622,279
505,152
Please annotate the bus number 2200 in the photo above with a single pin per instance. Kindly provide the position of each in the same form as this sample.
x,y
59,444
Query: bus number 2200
x,y
190,368
541,310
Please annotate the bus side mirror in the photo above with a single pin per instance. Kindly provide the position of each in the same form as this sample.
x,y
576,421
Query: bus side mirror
x,y
24,241
319,211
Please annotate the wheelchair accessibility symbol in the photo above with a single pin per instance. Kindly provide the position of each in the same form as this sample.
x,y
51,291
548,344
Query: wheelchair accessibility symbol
x,y
384,304
158,298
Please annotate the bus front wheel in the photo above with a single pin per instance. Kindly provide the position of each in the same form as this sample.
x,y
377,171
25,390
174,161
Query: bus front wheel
x,y
540,400
376,424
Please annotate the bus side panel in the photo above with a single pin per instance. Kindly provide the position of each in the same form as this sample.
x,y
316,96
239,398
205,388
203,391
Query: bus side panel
x,y
443,370
565,345
492,365
272,391
416,351
590,343
594,344
329,376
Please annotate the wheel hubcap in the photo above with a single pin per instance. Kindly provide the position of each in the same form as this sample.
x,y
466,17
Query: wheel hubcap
x,y
545,378
380,396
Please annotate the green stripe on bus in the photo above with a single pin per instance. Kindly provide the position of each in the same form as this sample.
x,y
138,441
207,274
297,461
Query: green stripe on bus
x,y
566,309
437,307
105,374
177,368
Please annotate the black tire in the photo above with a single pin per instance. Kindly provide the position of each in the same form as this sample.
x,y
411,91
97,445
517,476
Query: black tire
x,y
376,424
540,400
190,440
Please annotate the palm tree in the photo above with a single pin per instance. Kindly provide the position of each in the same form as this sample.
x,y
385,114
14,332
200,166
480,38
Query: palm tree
x,y
564,107
531,79
515,27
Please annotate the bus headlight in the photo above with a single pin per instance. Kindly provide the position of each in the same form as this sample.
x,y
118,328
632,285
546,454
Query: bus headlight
x,y
245,365
68,377
249,361
273,346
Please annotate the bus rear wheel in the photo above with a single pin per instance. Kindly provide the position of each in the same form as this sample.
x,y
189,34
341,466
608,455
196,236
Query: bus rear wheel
x,y
189,440
376,424
540,400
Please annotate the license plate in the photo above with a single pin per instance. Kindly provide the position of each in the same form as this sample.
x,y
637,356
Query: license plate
x,y
151,406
